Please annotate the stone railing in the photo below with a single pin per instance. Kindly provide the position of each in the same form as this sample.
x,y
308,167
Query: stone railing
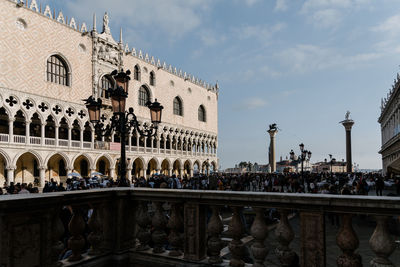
x,y
161,227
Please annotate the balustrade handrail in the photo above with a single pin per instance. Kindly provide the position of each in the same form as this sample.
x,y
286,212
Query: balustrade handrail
x,y
312,202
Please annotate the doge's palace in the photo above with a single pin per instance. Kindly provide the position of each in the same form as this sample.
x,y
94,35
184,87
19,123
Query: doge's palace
x,y
49,62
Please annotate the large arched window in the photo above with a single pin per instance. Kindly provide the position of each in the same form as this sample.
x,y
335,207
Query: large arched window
x,y
106,83
144,96
136,73
152,78
57,71
178,107
202,113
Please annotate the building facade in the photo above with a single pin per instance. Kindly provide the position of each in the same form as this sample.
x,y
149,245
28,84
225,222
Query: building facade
x,y
50,62
389,120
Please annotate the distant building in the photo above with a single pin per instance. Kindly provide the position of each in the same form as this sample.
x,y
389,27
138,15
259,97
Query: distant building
x,y
326,167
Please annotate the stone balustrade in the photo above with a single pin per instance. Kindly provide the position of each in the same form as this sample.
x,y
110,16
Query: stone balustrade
x,y
162,227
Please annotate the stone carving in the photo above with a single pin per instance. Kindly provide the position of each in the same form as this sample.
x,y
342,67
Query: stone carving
x,y
76,228
259,231
347,116
236,246
285,235
347,241
381,243
34,6
159,222
195,231
175,237
106,28
312,239
47,12
214,229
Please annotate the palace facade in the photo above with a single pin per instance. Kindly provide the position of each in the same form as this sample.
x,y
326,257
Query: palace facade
x,y
50,62
389,120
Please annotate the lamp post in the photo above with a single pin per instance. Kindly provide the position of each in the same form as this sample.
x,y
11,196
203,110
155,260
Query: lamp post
x,y
304,155
122,121
333,161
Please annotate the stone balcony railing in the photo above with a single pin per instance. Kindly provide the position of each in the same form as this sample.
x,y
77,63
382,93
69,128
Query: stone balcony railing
x,y
120,227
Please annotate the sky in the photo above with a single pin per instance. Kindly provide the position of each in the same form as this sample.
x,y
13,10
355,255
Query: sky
x,y
298,63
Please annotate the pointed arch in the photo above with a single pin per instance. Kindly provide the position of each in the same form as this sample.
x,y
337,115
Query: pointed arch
x,y
178,106
58,69
33,152
6,158
87,156
62,154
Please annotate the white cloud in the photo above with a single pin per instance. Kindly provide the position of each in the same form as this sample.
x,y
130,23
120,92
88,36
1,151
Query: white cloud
x,y
210,37
389,26
173,18
330,13
306,58
280,5
251,103
251,2
262,32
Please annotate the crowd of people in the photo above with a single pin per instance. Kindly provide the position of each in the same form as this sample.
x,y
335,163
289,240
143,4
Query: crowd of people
x,y
323,183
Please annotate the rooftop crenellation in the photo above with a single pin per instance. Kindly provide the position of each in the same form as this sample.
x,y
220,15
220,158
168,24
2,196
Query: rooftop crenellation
x,y
72,23
395,86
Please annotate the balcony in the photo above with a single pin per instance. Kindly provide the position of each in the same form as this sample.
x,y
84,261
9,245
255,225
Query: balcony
x,y
96,145
148,227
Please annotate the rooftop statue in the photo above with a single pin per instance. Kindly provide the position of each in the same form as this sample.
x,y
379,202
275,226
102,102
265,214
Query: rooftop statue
x,y
106,20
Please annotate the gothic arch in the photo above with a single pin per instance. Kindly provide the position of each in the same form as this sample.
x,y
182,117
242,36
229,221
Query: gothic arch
x,y
87,156
6,158
107,156
33,152
62,154
66,62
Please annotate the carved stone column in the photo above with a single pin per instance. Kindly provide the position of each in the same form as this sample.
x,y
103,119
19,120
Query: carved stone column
x,y
95,237
381,243
195,231
347,241
312,237
259,231
159,222
214,229
76,228
285,235
143,220
175,224
236,246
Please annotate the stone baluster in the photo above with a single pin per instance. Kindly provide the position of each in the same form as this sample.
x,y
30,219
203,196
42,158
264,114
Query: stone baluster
x,y
143,220
76,228
95,237
159,222
381,243
347,241
236,246
259,231
175,224
285,235
214,229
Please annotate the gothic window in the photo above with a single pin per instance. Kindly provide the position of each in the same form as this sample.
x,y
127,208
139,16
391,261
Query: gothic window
x,y
144,96
152,78
106,83
57,71
136,73
202,113
178,109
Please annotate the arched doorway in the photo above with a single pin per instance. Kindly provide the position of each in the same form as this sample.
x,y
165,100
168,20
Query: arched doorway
x,y
152,167
186,168
56,168
103,165
176,168
81,166
27,168
165,167
137,168
196,167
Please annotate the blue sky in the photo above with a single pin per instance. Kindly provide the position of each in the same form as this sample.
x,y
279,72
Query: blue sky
x,y
298,63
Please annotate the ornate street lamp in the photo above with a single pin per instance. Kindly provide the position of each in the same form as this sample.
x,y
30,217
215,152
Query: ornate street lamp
x,y
122,121
304,155
333,161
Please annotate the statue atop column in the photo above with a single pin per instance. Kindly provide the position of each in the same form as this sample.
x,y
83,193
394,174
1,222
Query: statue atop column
x,y
106,20
273,129
348,124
